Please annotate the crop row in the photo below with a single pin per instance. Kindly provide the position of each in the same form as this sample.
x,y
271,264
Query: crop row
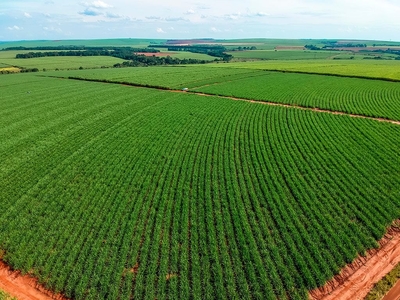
x,y
163,76
372,98
123,193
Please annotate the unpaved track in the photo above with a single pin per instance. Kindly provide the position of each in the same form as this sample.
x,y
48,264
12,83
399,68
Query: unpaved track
x,y
23,287
356,280
265,102
316,109
394,293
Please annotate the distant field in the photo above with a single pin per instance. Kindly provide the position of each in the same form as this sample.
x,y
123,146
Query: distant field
x,y
194,197
351,95
7,58
283,54
164,76
114,191
182,55
368,68
62,62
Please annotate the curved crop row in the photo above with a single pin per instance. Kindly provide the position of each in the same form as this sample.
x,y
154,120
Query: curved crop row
x,y
124,193
372,98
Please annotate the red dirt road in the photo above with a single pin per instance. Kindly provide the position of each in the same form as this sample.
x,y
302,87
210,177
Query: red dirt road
x,y
394,293
357,279
23,287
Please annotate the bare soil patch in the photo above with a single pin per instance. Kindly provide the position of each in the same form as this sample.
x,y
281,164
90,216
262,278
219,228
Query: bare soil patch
x,y
23,287
356,279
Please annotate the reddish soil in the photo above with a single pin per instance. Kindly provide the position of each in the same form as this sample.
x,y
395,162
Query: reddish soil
x,y
394,293
356,279
23,287
158,54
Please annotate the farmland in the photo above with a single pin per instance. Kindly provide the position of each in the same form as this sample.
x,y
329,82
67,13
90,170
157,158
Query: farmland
x,y
372,98
385,69
52,63
114,191
283,54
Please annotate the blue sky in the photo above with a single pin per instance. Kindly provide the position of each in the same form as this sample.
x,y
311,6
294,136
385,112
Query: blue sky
x,y
76,19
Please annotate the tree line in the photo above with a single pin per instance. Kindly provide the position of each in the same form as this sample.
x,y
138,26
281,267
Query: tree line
x,y
125,53
212,50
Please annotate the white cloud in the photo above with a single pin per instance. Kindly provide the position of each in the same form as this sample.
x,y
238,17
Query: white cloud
x,y
15,27
233,16
261,14
113,16
100,4
153,18
160,30
257,18
53,29
91,12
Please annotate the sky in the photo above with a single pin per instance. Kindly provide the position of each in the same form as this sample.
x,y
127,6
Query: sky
x,y
288,19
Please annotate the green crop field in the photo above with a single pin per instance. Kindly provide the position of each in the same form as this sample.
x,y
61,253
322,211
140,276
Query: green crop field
x,y
163,76
283,54
61,63
367,97
374,98
389,69
111,191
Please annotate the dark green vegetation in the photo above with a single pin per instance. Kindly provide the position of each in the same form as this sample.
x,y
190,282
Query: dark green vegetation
x,y
373,69
134,56
212,50
169,77
111,191
384,285
283,54
374,98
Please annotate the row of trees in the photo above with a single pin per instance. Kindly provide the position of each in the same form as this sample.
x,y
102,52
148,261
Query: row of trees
x,y
145,61
120,52
212,50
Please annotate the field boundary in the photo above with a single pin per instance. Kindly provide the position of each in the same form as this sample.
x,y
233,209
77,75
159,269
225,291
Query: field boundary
x,y
357,278
333,75
265,102
24,287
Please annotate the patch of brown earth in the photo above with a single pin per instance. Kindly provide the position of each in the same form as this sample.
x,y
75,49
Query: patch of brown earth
x,y
170,276
356,279
23,287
